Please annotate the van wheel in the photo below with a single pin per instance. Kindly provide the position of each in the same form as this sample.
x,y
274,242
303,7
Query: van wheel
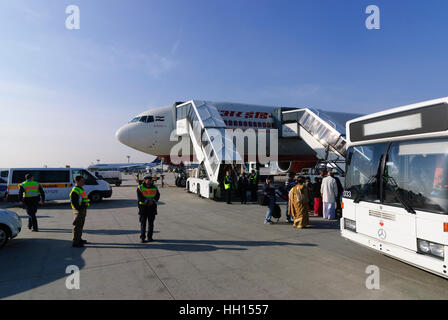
x,y
95,197
118,184
3,236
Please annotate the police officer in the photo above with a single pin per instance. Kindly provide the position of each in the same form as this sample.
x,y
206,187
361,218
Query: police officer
x,y
253,182
148,195
30,193
228,187
80,202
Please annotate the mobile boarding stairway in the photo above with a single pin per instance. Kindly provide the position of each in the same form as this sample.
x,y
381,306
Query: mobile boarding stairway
x,y
318,130
202,122
206,128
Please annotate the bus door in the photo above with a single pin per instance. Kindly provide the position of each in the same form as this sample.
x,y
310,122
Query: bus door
x,y
371,181
395,220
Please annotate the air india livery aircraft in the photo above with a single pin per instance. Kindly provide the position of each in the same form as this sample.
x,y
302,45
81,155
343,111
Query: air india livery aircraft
x,y
150,131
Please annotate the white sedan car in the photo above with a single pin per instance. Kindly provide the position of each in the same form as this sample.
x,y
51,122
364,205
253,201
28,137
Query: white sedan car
x,y
10,226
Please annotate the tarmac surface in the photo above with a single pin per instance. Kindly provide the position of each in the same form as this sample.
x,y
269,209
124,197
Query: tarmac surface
x,y
203,250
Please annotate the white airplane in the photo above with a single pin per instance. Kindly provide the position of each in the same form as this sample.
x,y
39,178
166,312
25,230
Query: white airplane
x,y
125,167
150,131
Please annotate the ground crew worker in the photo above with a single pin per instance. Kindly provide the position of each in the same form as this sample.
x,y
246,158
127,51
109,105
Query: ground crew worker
x,y
30,193
228,187
80,202
253,181
148,195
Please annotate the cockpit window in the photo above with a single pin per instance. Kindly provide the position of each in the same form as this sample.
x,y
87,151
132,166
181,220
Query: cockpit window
x,y
143,119
134,120
150,118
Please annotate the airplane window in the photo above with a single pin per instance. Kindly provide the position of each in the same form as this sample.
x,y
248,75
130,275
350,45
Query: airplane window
x,y
143,119
150,119
134,120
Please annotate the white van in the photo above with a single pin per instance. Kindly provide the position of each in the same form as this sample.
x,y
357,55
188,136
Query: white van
x,y
3,182
57,183
111,176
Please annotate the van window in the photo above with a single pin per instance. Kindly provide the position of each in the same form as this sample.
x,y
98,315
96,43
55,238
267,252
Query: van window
x,y
2,181
89,179
4,174
41,176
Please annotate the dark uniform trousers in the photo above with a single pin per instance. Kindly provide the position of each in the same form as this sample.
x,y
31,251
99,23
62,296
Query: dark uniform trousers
x,y
147,215
78,224
229,196
31,210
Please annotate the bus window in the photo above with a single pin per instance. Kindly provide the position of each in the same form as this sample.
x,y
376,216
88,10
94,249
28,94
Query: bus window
x,y
362,176
417,173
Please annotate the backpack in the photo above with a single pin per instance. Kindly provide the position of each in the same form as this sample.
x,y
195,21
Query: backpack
x,y
277,212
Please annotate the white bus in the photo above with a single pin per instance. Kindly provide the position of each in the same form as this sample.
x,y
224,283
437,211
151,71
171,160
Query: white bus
x,y
396,186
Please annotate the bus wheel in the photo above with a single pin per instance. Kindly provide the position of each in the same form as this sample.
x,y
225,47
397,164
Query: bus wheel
x,y
95,197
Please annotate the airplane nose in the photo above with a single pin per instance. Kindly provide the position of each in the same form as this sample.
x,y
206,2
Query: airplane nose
x,y
122,135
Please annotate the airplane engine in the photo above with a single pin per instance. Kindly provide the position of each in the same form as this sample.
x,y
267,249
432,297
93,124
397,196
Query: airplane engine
x,y
295,166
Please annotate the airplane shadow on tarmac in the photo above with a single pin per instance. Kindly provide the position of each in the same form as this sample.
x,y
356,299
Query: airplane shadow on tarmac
x,y
105,204
27,264
198,245
97,232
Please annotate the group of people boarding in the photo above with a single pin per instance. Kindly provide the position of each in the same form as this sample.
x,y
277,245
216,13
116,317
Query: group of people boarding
x,y
323,196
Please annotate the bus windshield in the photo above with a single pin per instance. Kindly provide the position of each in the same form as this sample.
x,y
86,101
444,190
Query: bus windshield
x,y
418,171
363,172
415,174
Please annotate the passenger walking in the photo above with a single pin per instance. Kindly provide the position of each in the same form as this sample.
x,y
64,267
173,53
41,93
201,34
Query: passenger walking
x,y
228,187
269,192
243,184
253,185
338,197
309,186
329,191
299,200
30,194
289,184
317,207
80,202
148,195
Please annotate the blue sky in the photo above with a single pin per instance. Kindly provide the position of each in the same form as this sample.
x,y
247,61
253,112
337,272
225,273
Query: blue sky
x,y
65,91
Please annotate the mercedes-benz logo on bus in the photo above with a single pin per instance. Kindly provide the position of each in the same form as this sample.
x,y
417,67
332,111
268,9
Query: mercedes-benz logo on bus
x,y
382,233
